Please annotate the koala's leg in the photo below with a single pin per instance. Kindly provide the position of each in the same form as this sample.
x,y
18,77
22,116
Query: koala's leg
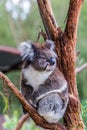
x,y
26,91
52,107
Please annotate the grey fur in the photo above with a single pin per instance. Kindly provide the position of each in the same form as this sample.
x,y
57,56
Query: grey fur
x,y
42,82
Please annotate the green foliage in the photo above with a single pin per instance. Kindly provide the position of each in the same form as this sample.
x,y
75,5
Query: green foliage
x,y
6,37
5,100
84,112
82,46
11,123
13,101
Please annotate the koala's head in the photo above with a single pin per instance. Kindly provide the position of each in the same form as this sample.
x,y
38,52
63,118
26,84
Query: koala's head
x,y
40,57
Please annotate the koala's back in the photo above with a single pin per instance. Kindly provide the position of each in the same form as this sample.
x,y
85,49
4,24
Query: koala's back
x,y
50,107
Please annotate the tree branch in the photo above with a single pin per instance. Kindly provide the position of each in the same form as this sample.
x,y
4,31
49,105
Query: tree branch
x,y
81,68
9,50
21,121
73,17
33,114
15,59
48,18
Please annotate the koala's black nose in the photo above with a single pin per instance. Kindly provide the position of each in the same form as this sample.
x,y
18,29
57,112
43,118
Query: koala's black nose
x,y
52,61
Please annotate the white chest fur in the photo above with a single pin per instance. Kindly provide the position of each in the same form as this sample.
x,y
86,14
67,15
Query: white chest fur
x,y
34,77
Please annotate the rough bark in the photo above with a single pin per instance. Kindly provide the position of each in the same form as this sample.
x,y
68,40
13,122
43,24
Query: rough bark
x,y
48,18
66,50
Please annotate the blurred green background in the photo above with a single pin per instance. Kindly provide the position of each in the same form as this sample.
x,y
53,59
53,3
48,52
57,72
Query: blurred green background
x,y
20,21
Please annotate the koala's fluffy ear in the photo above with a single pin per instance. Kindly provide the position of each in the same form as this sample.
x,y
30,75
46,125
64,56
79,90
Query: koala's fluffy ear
x,y
27,50
49,44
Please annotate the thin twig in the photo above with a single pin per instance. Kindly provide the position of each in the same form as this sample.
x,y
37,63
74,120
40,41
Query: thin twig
x,y
77,53
81,68
22,121
43,34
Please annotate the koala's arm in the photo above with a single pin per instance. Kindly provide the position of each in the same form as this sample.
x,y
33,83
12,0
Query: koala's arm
x,y
26,91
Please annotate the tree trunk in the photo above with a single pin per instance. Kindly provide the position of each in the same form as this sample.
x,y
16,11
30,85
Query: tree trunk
x,y
66,49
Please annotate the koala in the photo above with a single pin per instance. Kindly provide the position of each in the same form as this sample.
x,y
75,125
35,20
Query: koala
x,y
42,83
